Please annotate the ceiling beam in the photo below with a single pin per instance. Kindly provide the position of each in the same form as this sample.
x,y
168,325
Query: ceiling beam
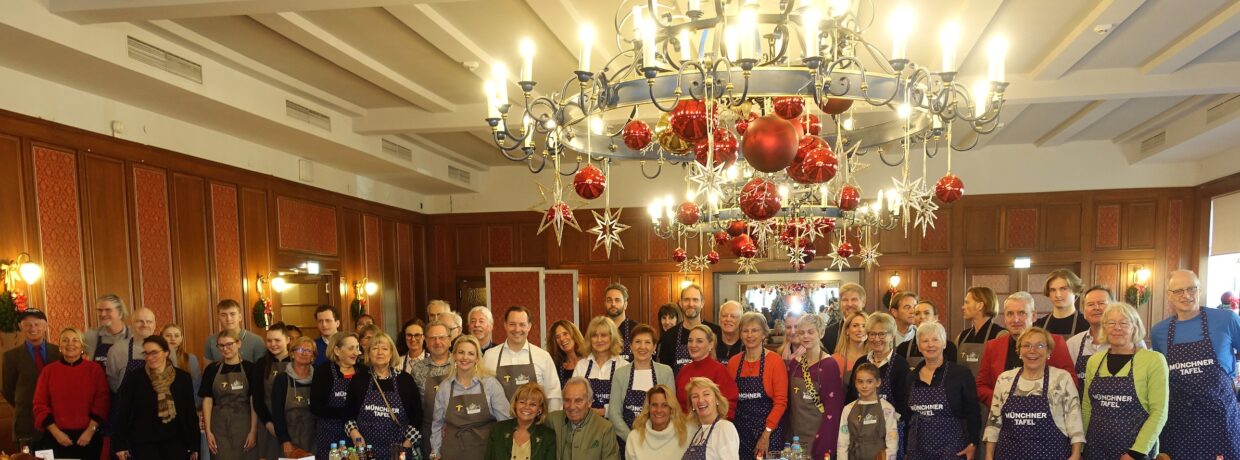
x,y
1010,114
314,38
1209,129
1157,122
98,11
1083,38
974,17
444,35
1219,27
405,120
1080,120
1124,83
241,62
434,147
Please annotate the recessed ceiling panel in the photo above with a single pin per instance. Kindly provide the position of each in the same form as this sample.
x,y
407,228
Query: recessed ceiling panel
x,y
1128,116
469,146
1151,29
1036,121
499,29
256,41
1228,51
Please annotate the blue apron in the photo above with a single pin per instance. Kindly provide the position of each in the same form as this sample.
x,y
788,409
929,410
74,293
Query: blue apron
x,y
382,419
600,387
1028,430
1203,414
329,430
933,432
752,407
697,451
1117,415
682,351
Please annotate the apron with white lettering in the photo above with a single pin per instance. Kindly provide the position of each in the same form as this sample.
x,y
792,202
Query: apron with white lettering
x,y
626,335
382,419
1081,360
600,387
933,432
867,430
1028,430
697,449
1203,414
634,399
1116,417
682,351
467,426
230,414
428,409
752,408
886,392
512,376
329,430
297,416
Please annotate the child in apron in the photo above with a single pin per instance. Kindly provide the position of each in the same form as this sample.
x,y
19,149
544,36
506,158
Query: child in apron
x,y
868,430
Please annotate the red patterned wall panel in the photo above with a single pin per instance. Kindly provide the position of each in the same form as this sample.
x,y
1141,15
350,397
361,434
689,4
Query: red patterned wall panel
x,y
593,306
1108,226
154,247
305,226
226,236
938,239
506,289
499,244
370,241
932,286
1107,275
60,237
1022,228
660,292
560,293
1001,284
1174,211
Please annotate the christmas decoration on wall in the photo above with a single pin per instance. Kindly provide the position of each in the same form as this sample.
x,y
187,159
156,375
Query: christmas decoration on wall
x,y
261,312
14,273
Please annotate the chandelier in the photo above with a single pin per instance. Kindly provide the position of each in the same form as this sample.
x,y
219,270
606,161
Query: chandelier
x,y
770,144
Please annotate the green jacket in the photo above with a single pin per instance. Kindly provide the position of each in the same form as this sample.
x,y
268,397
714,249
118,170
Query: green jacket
x,y
1149,375
594,439
499,444
620,386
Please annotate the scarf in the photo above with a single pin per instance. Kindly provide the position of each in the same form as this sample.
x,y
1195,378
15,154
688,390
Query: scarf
x,y
162,383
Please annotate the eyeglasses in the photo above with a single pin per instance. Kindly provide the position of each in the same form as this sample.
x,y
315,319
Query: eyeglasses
x,y
303,350
878,335
413,336
1189,291
152,353
1033,346
223,345
1123,324
436,337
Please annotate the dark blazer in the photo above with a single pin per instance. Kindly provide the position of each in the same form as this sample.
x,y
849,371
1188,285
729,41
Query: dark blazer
x,y
20,379
499,444
138,417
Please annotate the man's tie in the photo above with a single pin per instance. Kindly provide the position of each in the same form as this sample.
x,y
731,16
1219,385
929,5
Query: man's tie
x,y
38,357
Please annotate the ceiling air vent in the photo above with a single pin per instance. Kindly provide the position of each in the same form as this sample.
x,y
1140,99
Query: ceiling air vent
x,y
151,55
397,151
1223,109
308,115
1154,141
458,174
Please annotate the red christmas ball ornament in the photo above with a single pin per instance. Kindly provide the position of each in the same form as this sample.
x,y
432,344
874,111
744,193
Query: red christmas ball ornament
x,y
808,125
796,170
637,135
712,257
679,255
844,250
688,213
949,188
770,143
850,197
590,182
789,107
749,250
738,243
809,253
835,105
760,199
725,148
819,165
561,209
737,228
742,124
688,120
825,224
721,238
793,232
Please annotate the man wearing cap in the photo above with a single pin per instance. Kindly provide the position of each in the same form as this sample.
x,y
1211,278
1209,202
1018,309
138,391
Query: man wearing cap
x,y
22,365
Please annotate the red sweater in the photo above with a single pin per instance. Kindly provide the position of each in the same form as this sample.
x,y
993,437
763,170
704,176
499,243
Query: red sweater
x,y
994,362
774,381
714,371
71,395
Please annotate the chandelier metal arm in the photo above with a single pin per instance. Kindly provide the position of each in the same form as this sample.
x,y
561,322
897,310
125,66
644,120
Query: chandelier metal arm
x,y
658,170
541,165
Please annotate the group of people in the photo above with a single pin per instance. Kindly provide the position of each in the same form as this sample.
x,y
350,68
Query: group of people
x,y
1079,382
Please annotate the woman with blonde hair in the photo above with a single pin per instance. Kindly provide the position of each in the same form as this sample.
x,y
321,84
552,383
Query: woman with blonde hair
x,y
817,391
477,401
384,410
524,436
659,431
701,348
329,387
1125,403
851,344
600,366
566,349
716,437
71,400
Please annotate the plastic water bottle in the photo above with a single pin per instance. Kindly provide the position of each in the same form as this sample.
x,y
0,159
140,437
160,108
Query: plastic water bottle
x,y
796,448
333,454
370,449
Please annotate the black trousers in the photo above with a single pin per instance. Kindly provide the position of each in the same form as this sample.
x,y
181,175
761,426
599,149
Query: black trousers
x,y
168,449
91,450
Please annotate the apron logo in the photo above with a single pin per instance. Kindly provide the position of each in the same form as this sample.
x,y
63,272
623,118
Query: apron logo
x,y
522,379
749,396
237,385
796,390
1192,367
340,394
869,419
458,407
1111,400
971,357
927,410
1025,418
472,409
633,409
507,378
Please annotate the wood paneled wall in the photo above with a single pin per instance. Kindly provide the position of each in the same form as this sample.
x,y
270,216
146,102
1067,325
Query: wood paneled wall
x,y
176,233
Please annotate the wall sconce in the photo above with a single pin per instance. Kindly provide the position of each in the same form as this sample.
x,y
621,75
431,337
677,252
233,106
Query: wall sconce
x,y
279,284
894,280
20,268
1136,294
362,290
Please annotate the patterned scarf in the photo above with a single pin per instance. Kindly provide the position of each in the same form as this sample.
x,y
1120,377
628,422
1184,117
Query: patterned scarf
x,y
162,383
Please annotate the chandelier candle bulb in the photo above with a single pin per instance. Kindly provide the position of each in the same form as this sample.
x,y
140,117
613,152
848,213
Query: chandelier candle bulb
x,y
639,19
488,88
901,28
730,39
981,90
810,19
695,5
499,72
749,30
686,51
949,38
527,59
837,8
648,45
586,35
528,131
997,52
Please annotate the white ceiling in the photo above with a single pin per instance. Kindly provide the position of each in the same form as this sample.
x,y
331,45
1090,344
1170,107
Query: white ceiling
x,y
411,71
